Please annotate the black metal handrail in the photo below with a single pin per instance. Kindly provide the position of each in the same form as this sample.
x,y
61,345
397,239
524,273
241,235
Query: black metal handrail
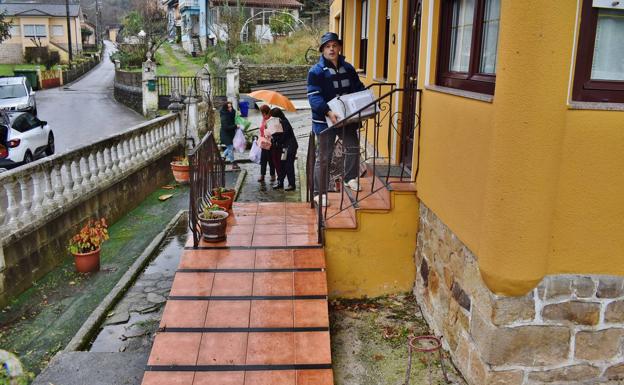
x,y
387,121
183,84
207,171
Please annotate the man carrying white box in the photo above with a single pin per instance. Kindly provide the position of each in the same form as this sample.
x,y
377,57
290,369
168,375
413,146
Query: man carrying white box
x,y
332,76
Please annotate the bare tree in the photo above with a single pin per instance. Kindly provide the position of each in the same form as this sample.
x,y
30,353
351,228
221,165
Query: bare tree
x,y
232,19
153,21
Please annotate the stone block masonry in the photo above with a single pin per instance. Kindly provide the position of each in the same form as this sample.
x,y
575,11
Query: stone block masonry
x,y
253,75
11,53
568,330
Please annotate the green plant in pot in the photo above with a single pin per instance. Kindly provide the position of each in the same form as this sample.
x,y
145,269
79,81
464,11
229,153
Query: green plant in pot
x,y
181,170
219,198
229,192
213,222
85,246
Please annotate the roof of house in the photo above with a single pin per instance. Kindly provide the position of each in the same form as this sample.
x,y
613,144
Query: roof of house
x,y
33,9
263,3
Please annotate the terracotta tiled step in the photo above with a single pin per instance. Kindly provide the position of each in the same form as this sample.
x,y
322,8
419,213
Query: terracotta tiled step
x,y
282,377
210,284
373,195
270,224
248,312
340,213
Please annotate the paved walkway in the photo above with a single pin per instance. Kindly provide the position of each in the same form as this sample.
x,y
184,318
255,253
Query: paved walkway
x,y
249,310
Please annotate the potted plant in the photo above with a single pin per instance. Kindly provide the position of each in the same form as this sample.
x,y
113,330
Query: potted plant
x,y
181,170
228,192
213,223
85,246
218,198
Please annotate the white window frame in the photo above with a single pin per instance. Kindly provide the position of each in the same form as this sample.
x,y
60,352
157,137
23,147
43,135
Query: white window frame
x,y
54,30
37,30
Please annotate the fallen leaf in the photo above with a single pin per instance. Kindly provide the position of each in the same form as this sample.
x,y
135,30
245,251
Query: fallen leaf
x,y
378,357
72,283
168,187
163,198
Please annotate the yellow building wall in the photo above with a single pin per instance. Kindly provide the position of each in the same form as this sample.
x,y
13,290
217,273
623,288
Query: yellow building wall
x,y
530,185
48,22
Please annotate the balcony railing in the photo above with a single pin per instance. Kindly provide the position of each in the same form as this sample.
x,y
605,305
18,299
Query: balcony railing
x,y
43,189
376,138
188,4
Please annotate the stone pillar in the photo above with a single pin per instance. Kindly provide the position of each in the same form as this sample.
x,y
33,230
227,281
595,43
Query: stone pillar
x,y
39,78
150,98
232,80
59,74
117,65
192,124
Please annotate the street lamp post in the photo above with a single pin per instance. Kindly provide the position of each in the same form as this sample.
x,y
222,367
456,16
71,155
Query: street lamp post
x,y
71,55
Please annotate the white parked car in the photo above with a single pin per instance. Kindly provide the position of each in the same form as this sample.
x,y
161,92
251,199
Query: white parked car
x,y
16,94
23,138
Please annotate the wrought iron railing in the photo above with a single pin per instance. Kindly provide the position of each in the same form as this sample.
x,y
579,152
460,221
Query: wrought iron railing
x,y
182,85
207,171
219,86
377,137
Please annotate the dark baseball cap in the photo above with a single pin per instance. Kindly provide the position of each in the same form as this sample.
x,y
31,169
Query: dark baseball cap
x,y
327,37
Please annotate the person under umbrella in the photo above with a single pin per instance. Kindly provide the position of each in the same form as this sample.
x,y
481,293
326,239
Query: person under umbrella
x,y
284,151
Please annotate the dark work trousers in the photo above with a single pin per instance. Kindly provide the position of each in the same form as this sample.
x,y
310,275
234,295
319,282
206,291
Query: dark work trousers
x,y
325,149
265,157
276,157
288,167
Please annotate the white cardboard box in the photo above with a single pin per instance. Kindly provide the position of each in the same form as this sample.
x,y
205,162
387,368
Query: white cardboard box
x,y
346,105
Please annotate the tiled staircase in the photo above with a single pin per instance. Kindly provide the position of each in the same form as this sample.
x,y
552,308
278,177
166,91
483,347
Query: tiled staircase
x,y
370,237
251,309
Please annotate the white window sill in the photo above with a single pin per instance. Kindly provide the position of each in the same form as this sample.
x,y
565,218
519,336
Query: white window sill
x,y
596,106
462,93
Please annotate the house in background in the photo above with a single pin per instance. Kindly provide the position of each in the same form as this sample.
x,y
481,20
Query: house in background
x,y
174,23
517,258
189,18
112,31
40,25
88,38
256,18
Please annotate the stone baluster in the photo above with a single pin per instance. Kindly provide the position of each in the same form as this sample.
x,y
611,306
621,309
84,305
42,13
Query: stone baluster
x,y
115,149
149,142
94,169
124,153
57,183
2,211
108,161
68,181
85,168
26,202
79,188
143,146
127,153
133,151
12,205
48,190
101,166
38,185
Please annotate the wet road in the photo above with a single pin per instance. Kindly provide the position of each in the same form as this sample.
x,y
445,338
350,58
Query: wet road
x,y
85,111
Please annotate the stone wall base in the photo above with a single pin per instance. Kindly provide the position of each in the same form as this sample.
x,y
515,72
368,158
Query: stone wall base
x,y
568,330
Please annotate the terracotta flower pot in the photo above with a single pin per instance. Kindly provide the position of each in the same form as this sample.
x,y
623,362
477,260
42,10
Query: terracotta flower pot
x,y
181,172
226,202
87,262
228,193
213,229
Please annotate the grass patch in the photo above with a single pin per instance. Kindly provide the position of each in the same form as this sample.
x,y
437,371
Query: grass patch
x,y
369,343
172,62
41,321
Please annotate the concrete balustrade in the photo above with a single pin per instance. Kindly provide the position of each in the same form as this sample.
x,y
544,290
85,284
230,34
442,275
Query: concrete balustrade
x,y
65,188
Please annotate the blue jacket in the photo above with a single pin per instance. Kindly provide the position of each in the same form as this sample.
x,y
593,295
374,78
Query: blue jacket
x,y
325,82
